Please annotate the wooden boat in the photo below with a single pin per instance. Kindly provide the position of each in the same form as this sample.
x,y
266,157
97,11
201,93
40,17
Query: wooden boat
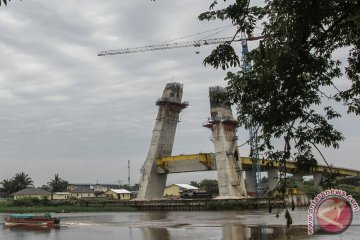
x,y
29,220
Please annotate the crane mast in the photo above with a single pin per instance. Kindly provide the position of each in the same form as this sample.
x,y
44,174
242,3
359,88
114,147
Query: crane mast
x,y
254,153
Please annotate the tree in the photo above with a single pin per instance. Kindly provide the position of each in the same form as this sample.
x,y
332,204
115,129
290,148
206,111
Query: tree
x,y
4,2
350,189
195,184
7,185
21,181
285,94
311,190
284,91
58,184
134,187
124,186
45,187
18,182
210,186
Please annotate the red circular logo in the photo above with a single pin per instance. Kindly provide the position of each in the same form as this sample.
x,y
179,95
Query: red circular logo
x,y
334,214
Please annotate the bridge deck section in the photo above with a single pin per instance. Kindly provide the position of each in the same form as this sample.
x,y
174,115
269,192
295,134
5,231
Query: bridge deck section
x,y
206,162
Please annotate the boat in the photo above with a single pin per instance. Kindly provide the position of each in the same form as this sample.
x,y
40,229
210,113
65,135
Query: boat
x,y
29,220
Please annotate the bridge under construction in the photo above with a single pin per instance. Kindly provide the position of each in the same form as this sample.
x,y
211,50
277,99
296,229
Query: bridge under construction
x,y
232,170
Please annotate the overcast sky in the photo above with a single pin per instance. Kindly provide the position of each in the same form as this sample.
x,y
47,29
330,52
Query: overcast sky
x,y
65,110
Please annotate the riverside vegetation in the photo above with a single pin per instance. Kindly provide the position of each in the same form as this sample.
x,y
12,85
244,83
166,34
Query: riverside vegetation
x,y
27,205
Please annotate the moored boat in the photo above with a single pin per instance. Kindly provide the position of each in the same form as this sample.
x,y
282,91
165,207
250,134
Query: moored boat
x,y
29,220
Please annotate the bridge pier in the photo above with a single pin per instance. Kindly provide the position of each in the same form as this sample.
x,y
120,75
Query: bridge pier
x,y
250,182
223,127
226,160
152,184
298,179
273,178
317,177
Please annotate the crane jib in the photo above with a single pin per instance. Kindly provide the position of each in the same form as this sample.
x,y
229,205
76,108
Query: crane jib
x,y
175,45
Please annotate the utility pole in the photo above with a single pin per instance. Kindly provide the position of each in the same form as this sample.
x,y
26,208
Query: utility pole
x,y
129,172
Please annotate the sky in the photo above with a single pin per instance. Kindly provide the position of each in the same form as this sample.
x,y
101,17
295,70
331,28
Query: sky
x,y
65,110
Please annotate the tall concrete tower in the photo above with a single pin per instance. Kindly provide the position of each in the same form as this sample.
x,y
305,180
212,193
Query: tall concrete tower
x,y
224,126
152,183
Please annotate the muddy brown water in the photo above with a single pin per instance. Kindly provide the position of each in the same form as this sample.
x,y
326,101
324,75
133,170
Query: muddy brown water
x,y
206,225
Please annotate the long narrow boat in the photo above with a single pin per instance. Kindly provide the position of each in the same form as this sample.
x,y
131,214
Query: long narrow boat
x,y
29,220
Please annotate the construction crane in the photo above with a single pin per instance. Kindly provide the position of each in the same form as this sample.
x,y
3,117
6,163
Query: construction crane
x,y
164,46
246,68
254,153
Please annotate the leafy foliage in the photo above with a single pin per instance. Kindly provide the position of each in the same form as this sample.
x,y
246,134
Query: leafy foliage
x,y
282,93
31,201
4,2
7,185
350,189
22,181
195,184
310,189
18,182
223,56
208,185
134,187
58,184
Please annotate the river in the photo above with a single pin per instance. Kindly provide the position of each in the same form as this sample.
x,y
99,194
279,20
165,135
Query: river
x,y
204,225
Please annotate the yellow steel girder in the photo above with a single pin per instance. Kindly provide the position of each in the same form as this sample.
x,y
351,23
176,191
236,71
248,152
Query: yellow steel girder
x,y
203,158
206,160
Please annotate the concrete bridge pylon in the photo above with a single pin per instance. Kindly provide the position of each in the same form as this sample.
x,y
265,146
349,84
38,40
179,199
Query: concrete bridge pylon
x,y
223,127
152,183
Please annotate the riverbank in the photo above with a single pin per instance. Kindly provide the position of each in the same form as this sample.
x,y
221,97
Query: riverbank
x,y
65,208
154,205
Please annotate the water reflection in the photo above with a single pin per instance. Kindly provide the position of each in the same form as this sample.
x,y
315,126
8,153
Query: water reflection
x,y
26,228
154,216
156,234
20,233
232,232
277,232
229,232
239,232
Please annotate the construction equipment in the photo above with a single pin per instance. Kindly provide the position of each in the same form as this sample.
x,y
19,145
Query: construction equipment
x,y
254,153
164,46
